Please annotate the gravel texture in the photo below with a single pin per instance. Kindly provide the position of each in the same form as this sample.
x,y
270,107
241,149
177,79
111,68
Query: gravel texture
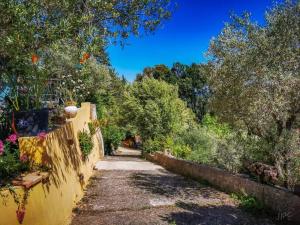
x,y
148,194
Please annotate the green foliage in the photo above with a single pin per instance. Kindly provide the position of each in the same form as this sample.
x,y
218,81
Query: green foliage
x,y
202,143
249,203
191,82
85,142
37,36
155,145
109,98
10,164
230,154
177,149
112,135
153,109
93,126
212,143
4,121
212,124
81,81
254,79
89,23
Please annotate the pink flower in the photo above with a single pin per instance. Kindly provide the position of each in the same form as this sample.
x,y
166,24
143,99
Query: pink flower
x,y
20,214
42,136
1,147
24,158
12,138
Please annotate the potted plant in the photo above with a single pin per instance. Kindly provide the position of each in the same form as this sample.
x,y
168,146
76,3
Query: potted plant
x,y
70,107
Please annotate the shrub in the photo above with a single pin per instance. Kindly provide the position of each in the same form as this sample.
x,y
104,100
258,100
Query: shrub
x,y
177,149
113,136
11,165
154,110
85,143
201,143
212,124
229,153
248,203
213,143
153,145
93,126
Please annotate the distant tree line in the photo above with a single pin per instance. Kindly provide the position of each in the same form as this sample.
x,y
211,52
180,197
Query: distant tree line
x,y
191,81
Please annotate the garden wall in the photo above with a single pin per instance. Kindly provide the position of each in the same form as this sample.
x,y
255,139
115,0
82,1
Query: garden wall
x,y
284,203
51,202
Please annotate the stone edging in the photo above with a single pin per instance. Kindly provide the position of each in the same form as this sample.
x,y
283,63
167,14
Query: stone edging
x,y
284,203
31,179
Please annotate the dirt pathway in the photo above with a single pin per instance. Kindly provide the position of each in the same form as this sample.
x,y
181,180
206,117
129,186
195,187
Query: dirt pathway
x,y
129,190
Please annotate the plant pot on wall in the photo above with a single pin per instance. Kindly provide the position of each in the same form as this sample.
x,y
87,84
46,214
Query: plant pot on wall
x,y
71,111
30,123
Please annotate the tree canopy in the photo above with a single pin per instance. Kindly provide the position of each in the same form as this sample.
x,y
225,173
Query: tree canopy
x,y
255,79
37,37
191,81
153,109
29,26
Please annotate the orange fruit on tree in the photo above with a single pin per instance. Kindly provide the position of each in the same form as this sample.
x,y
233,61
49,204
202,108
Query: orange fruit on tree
x,y
34,58
86,56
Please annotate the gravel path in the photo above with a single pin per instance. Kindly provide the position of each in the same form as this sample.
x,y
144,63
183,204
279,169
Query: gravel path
x,y
129,190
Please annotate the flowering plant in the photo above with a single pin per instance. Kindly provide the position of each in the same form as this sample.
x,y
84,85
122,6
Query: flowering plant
x,y
1,148
12,138
79,73
11,164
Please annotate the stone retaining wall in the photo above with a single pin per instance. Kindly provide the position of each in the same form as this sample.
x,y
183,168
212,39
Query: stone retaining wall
x,y
283,202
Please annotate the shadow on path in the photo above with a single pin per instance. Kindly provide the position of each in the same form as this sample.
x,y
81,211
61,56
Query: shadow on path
x,y
150,195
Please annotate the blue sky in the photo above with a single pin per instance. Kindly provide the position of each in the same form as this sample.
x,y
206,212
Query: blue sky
x,y
185,37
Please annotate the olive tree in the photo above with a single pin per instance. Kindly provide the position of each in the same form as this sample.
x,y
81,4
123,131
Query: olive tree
x,y
255,81
30,28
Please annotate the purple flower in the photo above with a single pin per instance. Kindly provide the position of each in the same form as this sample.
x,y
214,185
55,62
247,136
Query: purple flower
x,y
12,138
1,147
42,136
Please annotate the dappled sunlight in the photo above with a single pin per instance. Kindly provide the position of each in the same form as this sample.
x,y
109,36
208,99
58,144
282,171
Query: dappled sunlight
x,y
199,124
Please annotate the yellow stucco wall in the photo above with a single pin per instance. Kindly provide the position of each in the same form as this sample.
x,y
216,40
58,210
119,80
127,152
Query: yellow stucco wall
x,y
51,203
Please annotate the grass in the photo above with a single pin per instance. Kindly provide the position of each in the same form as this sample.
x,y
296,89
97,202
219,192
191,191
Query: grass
x,y
248,203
